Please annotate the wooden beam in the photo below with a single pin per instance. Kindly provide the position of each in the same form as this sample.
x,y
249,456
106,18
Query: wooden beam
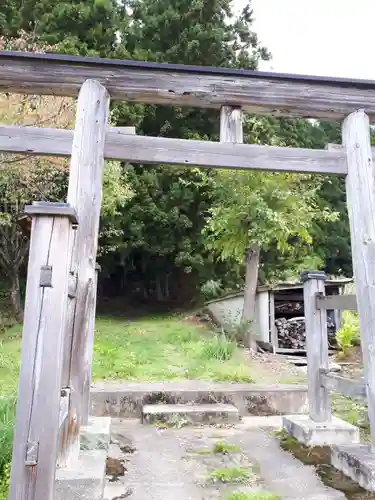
x,y
189,153
336,302
360,194
134,81
85,195
316,346
354,389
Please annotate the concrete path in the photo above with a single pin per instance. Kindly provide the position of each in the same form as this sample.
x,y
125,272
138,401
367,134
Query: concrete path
x,y
175,464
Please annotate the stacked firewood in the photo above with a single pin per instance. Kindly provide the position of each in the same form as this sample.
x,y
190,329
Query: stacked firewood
x,y
295,308
292,332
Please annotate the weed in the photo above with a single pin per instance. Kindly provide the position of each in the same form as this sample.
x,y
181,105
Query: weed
x,y
226,448
253,495
230,475
348,335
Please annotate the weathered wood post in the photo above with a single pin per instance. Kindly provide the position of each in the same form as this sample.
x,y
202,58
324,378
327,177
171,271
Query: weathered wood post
x,y
90,352
360,189
85,195
37,422
319,427
316,346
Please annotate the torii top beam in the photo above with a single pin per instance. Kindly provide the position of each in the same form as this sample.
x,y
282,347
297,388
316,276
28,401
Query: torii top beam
x,y
206,87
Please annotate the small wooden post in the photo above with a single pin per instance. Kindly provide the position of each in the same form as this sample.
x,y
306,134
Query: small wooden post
x,y
316,346
90,350
85,195
35,443
360,189
231,129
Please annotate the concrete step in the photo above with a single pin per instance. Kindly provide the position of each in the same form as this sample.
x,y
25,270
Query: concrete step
x,y
179,415
83,480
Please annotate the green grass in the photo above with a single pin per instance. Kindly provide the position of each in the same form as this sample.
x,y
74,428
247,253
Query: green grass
x,y
10,355
230,475
7,414
164,348
152,349
256,495
226,448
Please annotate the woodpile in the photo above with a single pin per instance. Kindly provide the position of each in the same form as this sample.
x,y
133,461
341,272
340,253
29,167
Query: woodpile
x,y
289,308
292,332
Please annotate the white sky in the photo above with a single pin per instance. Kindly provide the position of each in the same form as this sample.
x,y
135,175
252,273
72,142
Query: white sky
x,y
317,37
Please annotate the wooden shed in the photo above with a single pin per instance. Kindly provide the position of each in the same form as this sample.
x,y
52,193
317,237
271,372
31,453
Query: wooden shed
x,y
279,309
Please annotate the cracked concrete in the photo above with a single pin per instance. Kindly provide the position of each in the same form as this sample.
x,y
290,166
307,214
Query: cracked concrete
x,y
170,464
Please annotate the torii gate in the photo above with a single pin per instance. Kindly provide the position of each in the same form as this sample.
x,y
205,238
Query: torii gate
x,y
57,341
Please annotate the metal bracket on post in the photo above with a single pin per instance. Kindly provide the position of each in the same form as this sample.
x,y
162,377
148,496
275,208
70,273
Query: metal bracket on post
x,y
72,285
46,276
32,451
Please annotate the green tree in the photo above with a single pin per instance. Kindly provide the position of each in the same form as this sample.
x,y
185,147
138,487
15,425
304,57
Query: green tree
x,y
86,27
256,212
162,228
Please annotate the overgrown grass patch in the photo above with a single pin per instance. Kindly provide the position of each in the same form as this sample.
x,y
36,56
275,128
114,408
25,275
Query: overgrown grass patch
x,y
164,348
225,448
7,415
231,475
253,495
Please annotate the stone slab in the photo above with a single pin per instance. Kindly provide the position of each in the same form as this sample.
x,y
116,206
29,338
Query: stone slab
x,y
125,400
311,433
96,435
356,462
189,414
84,479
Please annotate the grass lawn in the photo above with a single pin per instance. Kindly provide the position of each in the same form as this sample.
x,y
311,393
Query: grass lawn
x,y
165,348
150,349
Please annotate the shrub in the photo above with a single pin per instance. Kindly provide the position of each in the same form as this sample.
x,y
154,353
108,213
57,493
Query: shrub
x,y
211,289
349,333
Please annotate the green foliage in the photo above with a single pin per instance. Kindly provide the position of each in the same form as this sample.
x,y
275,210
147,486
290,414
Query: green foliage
x,y
7,417
254,495
5,482
164,349
87,27
211,289
219,347
349,333
231,475
259,210
226,448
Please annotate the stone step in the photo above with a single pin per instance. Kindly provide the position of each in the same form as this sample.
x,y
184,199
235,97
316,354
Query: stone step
x,y
179,415
84,479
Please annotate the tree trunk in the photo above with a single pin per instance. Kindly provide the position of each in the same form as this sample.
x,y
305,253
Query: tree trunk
x,y
251,280
15,297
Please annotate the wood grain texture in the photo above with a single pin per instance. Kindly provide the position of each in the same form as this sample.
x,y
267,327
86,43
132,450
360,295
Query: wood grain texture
x,y
360,191
85,194
274,335
38,423
160,150
354,389
317,349
337,303
38,256
91,313
259,95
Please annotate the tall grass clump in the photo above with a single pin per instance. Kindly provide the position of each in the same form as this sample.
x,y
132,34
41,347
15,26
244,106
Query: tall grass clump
x,y
7,416
349,333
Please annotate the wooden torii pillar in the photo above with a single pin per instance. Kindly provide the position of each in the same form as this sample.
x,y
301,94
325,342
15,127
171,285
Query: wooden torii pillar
x,y
59,314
